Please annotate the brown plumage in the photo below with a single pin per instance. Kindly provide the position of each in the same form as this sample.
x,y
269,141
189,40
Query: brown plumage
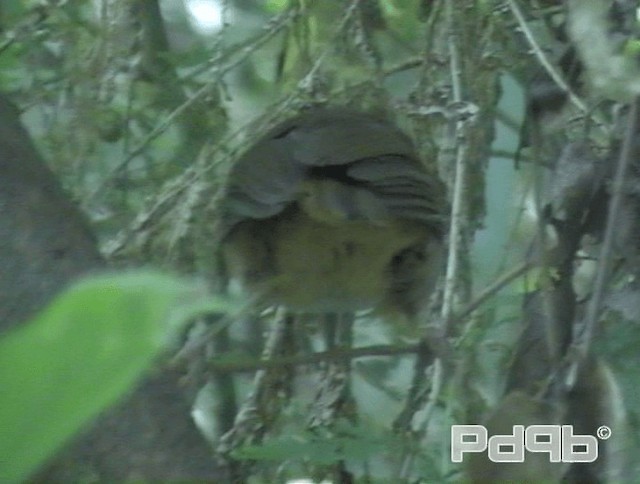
x,y
333,211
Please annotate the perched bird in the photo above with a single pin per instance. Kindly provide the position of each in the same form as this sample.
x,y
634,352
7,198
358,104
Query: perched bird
x,y
333,211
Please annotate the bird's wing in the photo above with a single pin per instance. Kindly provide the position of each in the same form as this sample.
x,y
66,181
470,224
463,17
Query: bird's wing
x,y
404,186
337,138
371,168
264,181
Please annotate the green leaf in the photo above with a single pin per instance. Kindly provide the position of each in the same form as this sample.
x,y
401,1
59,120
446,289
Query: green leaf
x,y
275,6
632,48
80,354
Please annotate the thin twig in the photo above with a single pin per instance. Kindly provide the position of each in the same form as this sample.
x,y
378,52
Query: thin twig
x,y
197,96
224,364
542,58
441,367
582,342
403,66
492,289
455,232
197,171
269,394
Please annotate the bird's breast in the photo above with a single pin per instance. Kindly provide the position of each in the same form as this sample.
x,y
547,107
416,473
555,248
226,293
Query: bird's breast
x,y
316,266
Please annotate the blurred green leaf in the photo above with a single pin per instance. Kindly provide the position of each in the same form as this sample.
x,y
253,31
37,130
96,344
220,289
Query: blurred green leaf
x,y
275,6
632,48
79,355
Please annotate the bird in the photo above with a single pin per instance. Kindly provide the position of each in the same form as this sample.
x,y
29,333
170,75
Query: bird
x,y
333,211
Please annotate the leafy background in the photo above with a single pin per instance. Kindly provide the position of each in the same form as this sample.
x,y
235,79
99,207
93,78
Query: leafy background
x,y
140,107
